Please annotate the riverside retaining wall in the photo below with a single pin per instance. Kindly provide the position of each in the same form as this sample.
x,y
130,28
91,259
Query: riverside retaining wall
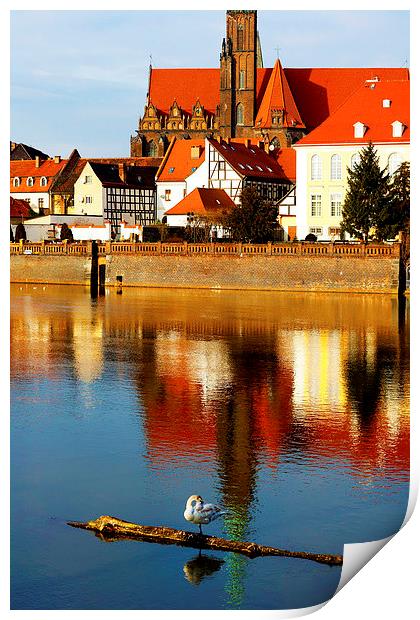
x,y
374,272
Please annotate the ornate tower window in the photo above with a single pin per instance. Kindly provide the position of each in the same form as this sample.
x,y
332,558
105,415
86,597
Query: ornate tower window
x,y
152,149
240,37
239,114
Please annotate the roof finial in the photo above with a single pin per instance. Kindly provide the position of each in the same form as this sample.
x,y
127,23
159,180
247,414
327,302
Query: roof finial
x,y
277,50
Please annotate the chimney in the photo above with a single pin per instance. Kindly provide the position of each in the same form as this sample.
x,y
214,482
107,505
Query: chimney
x,y
195,152
122,172
57,159
247,142
228,140
37,161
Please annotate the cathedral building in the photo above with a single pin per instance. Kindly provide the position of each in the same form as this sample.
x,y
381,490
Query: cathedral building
x,y
233,101
242,99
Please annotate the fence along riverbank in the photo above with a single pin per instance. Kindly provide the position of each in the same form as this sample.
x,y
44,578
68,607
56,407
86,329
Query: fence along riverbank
x,y
345,267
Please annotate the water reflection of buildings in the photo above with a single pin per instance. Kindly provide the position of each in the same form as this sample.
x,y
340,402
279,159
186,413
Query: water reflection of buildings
x,y
234,385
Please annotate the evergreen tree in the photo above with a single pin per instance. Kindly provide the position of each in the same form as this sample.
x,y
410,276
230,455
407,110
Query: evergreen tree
x,y
20,232
66,233
254,220
367,200
400,198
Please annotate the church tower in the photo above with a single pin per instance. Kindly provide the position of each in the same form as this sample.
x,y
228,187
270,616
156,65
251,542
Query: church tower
x,y
238,70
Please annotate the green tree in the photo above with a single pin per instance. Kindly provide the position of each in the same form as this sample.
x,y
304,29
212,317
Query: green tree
x,y
66,233
367,201
400,199
254,220
20,232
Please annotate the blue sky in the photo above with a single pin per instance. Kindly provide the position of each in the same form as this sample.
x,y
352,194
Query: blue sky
x,y
79,78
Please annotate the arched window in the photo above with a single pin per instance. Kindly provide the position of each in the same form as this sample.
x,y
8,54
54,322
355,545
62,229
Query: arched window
x,y
240,37
44,181
242,79
394,162
30,181
275,143
335,167
355,160
16,182
316,168
239,114
152,149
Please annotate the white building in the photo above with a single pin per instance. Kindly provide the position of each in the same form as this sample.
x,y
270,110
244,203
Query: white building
x,y
377,112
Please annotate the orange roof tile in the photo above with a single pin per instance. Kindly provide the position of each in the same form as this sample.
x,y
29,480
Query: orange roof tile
x,y
180,162
317,92
202,201
286,159
185,86
278,96
23,169
366,106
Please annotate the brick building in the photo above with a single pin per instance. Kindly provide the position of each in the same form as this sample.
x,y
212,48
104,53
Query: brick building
x,y
242,99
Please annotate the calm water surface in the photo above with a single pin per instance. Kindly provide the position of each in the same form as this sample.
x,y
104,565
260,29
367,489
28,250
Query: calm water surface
x,y
291,410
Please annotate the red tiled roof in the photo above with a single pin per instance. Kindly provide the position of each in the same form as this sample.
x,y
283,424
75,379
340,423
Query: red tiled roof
x,y
180,160
250,161
278,96
20,208
317,92
202,201
23,169
286,159
366,106
185,86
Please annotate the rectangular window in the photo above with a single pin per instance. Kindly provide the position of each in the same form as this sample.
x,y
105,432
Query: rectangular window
x,y
40,203
89,200
336,205
316,230
315,205
167,194
88,179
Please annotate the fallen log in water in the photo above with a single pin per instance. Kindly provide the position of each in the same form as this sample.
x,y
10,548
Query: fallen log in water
x,y
114,529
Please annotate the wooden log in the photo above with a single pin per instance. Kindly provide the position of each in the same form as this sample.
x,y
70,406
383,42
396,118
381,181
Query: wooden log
x,y
112,528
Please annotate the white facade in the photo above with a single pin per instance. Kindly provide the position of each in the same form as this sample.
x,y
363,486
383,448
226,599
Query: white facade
x,y
36,200
170,193
89,195
49,226
321,188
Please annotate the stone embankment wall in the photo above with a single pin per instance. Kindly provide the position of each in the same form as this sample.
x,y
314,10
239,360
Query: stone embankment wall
x,y
375,272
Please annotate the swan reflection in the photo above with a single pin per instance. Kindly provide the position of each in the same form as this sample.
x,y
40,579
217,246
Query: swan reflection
x,y
200,567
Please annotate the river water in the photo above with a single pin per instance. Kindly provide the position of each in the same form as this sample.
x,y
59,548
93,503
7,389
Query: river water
x,y
290,410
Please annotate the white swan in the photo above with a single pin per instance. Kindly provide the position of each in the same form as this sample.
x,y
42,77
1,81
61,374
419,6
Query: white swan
x,y
200,513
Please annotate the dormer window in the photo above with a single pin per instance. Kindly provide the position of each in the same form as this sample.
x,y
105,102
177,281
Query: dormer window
x,y
16,182
397,129
359,129
44,181
30,181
